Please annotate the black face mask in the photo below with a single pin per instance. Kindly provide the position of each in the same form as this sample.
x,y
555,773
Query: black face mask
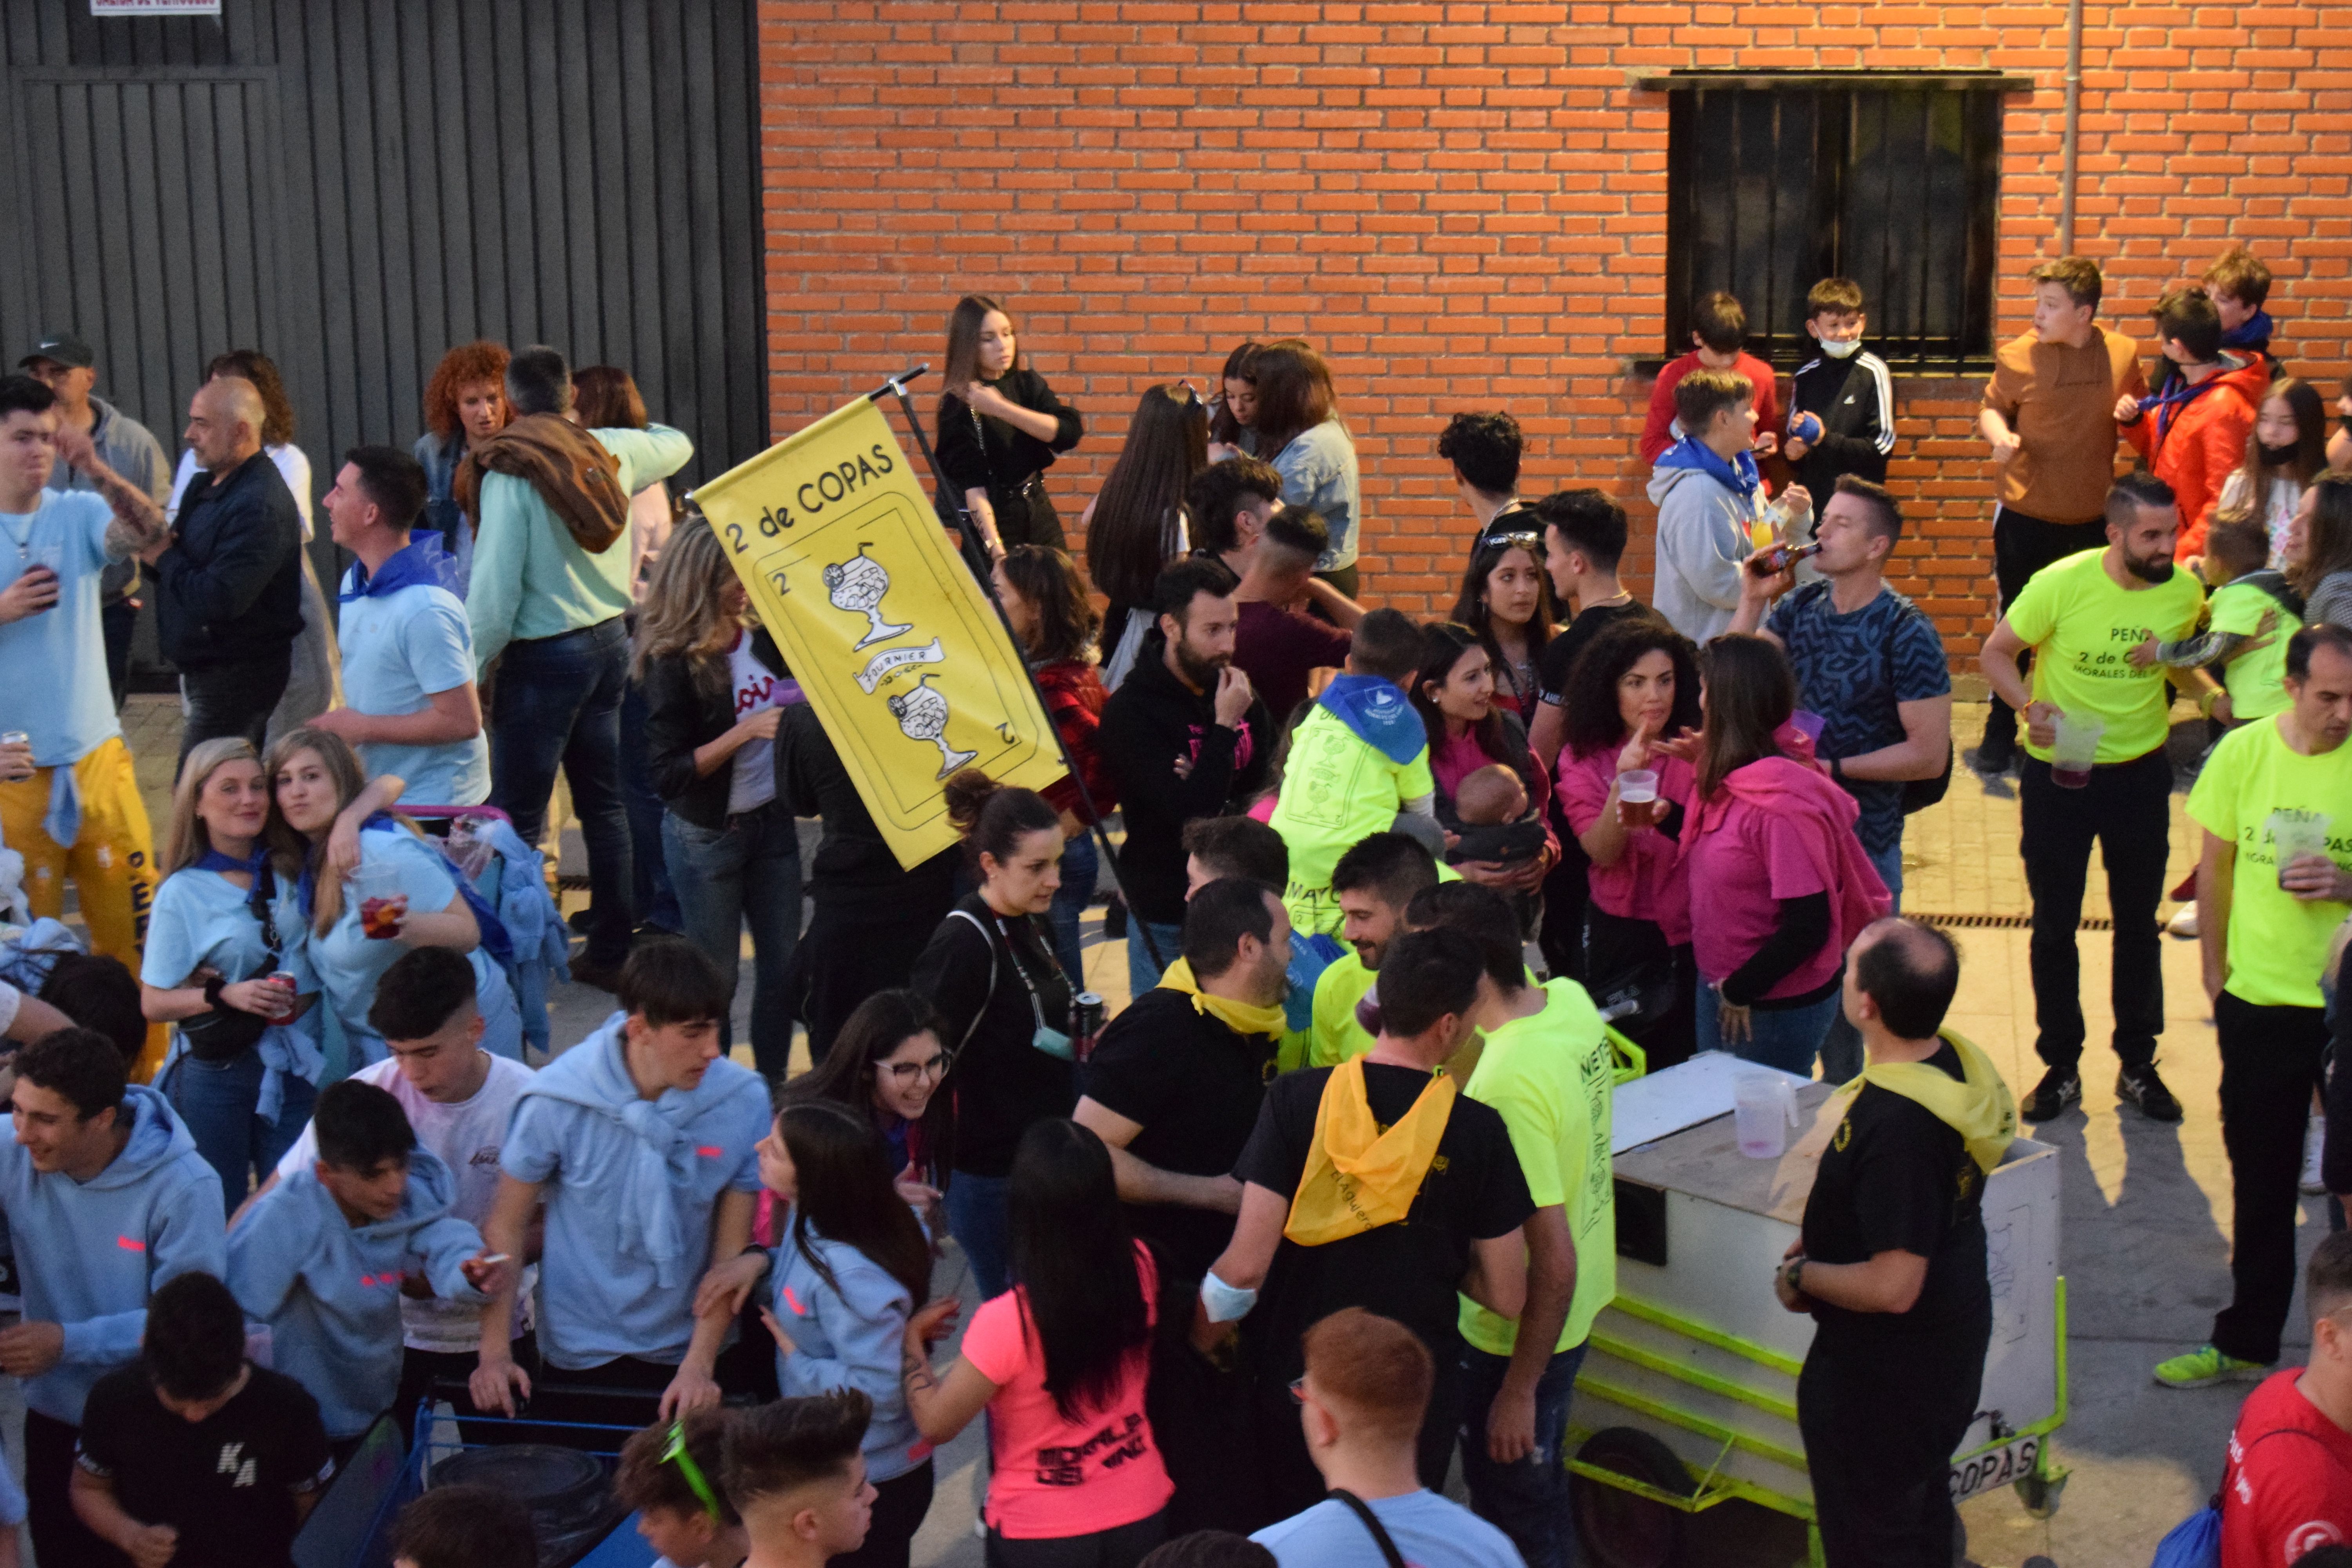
x,y
2280,456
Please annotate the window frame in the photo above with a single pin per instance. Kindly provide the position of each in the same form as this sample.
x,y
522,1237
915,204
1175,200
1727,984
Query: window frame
x,y
1836,97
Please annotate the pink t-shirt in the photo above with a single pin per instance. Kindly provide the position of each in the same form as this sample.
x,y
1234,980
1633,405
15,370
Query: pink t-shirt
x,y
1649,881
1056,1478
1749,861
1453,759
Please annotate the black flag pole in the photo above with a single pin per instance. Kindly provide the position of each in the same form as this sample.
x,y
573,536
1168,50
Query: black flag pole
x,y
975,560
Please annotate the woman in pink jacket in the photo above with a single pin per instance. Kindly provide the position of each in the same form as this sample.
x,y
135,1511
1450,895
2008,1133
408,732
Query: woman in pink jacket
x,y
1771,840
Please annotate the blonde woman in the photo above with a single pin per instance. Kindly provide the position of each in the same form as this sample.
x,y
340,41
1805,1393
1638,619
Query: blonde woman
x,y
227,962
715,690
362,911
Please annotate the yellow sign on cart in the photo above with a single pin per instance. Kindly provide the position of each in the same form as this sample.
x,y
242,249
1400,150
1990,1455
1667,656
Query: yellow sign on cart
x,y
893,643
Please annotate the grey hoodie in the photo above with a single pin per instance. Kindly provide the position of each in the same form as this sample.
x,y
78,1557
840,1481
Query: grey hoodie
x,y
330,1290
92,1252
1703,536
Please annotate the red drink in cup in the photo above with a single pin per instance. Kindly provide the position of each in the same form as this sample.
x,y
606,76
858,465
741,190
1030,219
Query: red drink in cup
x,y
377,890
2077,751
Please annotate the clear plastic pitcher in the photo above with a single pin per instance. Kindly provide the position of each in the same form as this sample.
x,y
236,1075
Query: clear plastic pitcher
x,y
1763,1113
2077,749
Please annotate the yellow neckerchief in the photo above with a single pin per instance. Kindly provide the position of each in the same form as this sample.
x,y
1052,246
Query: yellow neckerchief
x,y
1241,1018
1359,1177
1978,1107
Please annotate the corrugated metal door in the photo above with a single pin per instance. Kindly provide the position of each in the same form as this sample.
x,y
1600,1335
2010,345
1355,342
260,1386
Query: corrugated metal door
x,y
355,185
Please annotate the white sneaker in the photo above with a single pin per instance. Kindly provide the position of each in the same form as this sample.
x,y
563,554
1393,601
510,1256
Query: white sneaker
x,y
2183,922
2314,1144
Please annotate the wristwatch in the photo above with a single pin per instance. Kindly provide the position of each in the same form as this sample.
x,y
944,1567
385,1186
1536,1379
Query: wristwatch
x,y
1794,1273
1837,770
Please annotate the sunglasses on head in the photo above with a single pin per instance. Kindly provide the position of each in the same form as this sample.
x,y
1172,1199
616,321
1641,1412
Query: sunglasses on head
x,y
676,1454
1528,540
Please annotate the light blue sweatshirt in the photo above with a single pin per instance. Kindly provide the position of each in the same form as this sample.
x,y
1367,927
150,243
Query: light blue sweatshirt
x,y
632,1187
90,1253
848,1338
330,1290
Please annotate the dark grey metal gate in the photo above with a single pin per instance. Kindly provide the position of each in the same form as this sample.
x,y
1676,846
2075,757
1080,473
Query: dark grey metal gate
x,y
355,185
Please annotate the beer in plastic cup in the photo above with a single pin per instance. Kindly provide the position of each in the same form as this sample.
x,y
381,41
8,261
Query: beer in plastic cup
x,y
1637,789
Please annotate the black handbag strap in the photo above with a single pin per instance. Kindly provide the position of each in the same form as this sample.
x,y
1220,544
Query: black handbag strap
x,y
1363,1511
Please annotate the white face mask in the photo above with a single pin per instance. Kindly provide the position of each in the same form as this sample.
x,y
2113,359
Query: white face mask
x,y
1839,348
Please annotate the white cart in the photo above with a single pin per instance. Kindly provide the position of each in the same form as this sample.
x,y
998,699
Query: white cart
x,y
1687,1396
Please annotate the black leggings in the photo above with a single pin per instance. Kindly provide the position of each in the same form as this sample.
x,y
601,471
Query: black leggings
x,y
1123,1546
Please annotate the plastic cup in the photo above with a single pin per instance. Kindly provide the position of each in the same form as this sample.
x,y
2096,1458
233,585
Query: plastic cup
x,y
48,556
2071,759
1637,790
1763,1113
1810,723
2295,834
372,888
14,738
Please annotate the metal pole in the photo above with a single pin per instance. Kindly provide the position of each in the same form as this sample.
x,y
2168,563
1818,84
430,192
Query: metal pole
x,y
896,386
2072,146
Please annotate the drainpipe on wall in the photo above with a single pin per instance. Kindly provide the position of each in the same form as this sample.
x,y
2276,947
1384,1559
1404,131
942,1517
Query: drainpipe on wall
x,y
2074,137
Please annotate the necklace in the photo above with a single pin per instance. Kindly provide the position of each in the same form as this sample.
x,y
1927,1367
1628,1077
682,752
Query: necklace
x,y
24,543
1620,593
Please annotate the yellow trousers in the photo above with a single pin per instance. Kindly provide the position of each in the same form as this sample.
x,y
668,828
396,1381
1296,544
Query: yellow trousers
x,y
112,863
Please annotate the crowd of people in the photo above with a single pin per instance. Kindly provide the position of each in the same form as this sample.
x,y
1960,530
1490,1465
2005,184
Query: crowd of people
x,y
1328,1202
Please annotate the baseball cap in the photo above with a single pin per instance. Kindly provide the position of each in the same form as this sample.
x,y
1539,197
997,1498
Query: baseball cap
x,y
64,348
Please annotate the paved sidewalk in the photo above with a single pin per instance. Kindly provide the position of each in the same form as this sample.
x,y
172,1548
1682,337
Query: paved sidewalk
x,y
2146,1207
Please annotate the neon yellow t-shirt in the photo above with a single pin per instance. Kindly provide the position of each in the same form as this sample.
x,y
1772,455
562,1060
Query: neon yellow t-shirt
x,y
2081,624
1334,1035
1338,789
2277,942
1550,1076
2256,681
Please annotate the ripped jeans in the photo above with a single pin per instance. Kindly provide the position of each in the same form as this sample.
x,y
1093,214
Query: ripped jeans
x,y
1527,1500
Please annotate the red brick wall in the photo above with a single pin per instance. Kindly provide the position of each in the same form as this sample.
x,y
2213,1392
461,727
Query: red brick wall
x,y
1462,206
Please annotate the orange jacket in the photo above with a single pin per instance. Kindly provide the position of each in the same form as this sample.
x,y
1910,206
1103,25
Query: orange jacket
x,y
2194,443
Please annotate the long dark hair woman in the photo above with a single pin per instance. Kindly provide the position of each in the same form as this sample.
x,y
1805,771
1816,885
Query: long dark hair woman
x,y
2319,550
1061,1357
1633,690
1470,729
889,1063
1136,525
989,969
1045,598
1788,885
1232,413
1506,599
715,688
1298,431
1000,429
850,1272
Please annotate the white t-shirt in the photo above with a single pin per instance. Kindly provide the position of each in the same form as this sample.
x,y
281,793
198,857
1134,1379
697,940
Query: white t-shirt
x,y
756,687
467,1136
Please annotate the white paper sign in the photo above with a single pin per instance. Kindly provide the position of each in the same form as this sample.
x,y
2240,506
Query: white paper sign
x,y
154,7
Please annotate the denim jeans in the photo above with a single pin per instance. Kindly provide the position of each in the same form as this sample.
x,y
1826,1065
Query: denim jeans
x,y
976,1219
1081,865
558,702
749,870
225,700
1785,1037
1842,1047
652,900
215,1101
1527,1500
1142,974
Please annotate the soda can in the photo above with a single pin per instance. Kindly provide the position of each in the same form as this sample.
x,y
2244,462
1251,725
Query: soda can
x,y
1086,1022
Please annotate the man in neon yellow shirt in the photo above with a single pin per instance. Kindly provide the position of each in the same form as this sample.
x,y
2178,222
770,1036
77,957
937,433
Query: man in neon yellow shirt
x,y
2080,617
2275,801
1358,761
1371,885
1546,1067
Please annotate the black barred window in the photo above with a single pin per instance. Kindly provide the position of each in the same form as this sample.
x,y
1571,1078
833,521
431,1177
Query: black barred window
x,y
1776,181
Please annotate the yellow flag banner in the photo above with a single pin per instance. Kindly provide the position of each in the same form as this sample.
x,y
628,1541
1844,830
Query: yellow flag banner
x,y
898,649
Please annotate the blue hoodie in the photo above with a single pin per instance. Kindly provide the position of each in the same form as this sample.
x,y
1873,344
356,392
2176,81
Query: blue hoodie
x,y
90,1253
848,1338
330,1290
632,1187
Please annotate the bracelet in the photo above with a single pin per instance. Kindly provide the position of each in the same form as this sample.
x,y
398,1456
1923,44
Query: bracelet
x,y
1837,770
1795,1274
2205,701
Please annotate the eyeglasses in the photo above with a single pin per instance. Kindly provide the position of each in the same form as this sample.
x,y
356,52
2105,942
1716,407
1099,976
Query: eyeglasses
x,y
1529,541
934,1067
676,1454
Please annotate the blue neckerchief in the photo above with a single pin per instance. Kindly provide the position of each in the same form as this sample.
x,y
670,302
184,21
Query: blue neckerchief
x,y
424,561
214,860
1738,475
1378,713
2253,333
